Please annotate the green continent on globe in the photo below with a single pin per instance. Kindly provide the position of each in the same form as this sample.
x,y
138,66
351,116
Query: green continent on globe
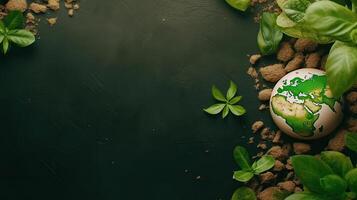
x,y
310,94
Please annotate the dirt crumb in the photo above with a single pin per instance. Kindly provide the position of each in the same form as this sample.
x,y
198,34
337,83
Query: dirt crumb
x,y
257,126
305,45
268,193
264,95
301,148
277,137
38,8
286,52
252,72
352,125
267,177
338,142
263,107
287,185
278,153
20,5
278,166
262,145
71,12
313,60
53,4
52,21
351,97
254,58
296,63
273,73
288,165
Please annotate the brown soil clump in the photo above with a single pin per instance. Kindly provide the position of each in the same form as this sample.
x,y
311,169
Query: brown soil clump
x,y
273,73
20,5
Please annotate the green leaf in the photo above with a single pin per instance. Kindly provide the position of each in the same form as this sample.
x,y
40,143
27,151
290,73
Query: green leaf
x,y
5,45
231,91
280,194
338,162
235,100
341,67
310,170
217,94
242,158
1,38
333,185
243,176
263,164
22,38
241,5
2,27
215,109
351,178
14,20
237,110
351,141
244,193
295,9
269,35
305,196
225,111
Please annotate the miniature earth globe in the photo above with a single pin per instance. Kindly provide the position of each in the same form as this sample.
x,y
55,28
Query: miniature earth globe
x,y
302,105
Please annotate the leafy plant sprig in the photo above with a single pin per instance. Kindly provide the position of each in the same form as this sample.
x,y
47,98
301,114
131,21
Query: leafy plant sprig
x,y
228,102
248,170
11,31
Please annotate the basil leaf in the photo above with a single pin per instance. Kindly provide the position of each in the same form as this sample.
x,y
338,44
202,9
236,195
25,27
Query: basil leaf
x,y
14,20
2,27
341,67
351,178
244,193
231,91
225,111
217,94
241,156
241,5
333,185
269,35
243,176
5,45
332,20
295,9
351,141
263,164
309,170
338,162
235,100
1,38
215,109
305,196
22,38
237,110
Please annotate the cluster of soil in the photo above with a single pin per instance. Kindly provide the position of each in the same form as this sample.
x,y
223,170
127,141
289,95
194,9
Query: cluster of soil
x,y
293,54
33,9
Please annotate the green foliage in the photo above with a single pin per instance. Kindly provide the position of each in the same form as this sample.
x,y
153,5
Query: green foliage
x,y
332,177
248,170
228,102
244,193
269,35
351,141
11,32
241,5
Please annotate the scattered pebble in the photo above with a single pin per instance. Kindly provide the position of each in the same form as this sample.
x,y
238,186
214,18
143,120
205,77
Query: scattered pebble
x,y
254,58
257,126
20,5
301,148
296,63
264,95
286,52
52,21
305,45
273,73
38,8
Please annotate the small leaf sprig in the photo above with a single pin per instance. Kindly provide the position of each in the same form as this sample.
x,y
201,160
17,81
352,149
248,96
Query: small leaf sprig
x,y
11,31
228,102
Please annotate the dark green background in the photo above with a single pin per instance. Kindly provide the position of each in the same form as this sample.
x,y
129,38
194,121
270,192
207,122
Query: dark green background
x,y
108,105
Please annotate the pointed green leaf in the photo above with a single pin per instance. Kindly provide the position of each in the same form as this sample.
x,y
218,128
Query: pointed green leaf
x,y
215,109
242,176
225,112
237,110
22,38
241,5
5,45
217,94
231,91
14,20
242,158
2,27
235,100
263,164
244,193
351,141
1,38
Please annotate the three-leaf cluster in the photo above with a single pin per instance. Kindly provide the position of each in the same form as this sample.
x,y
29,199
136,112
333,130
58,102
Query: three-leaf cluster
x,y
248,170
228,102
11,31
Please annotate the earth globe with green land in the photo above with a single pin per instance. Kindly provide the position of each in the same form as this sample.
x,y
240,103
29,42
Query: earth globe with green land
x,y
303,106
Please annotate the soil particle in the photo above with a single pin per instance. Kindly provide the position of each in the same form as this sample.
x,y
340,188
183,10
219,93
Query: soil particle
x,y
278,153
268,193
273,73
251,140
338,142
351,97
301,148
305,45
263,107
30,18
257,126
254,58
288,165
262,145
52,21
76,6
352,125
353,108
71,12
264,134
20,5
287,185
296,63
313,60
277,137
286,52
38,8
53,4
264,95
278,166
252,72
267,177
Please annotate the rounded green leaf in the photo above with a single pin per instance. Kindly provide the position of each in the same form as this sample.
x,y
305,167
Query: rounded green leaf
x,y
217,94
241,5
351,178
244,193
242,158
231,91
310,170
243,176
263,164
333,185
215,109
237,110
351,141
338,162
22,38
295,9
